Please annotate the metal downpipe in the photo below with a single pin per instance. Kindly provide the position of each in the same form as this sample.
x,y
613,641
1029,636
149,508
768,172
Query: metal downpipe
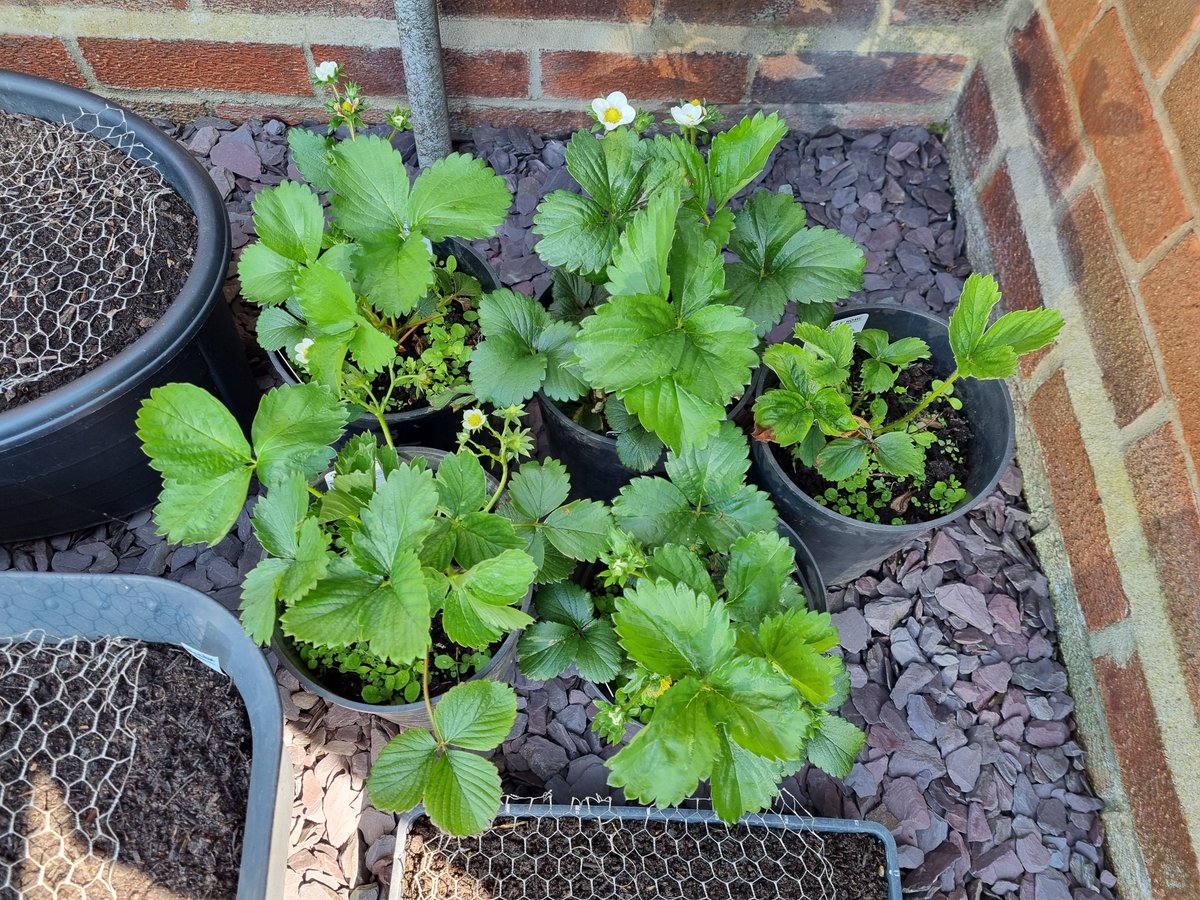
x,y
421,43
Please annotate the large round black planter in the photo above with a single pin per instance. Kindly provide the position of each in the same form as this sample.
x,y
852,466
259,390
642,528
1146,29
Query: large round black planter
x,y
423,426
597,473
71,459
846,548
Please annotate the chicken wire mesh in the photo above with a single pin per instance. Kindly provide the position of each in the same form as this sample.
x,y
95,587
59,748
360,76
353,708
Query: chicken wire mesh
x,y
597,851
77,224
66,750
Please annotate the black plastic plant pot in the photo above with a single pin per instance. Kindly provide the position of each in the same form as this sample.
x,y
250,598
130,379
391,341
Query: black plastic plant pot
x,y
807,571
846,548
597,473
336,688
159,611
422,426
71,458
716,849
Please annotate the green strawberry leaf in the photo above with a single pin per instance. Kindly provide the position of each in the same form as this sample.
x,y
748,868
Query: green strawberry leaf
x,y
897,453
461,483
396,272
575,233
289,220
458,195
671,631
835,745
313,155
295,428
370,188
760,566
266,276
842,457
667,759
401,774
396,520
476,715
479,606
738,155
463,795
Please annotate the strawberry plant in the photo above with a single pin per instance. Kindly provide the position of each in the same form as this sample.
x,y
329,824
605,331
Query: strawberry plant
x,y
698,624
376,562
844,426
651,333
361,301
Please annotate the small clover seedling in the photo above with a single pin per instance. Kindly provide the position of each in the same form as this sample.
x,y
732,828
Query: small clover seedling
x,y
843,429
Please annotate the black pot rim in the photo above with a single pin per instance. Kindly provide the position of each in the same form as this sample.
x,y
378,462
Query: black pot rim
x,y
603,441
186,314
764,457
284,649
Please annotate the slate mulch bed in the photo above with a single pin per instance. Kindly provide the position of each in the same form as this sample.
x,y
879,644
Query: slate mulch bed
x,y
971,758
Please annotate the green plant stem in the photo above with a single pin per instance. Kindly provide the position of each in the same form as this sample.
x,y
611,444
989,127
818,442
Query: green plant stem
x,y
387,432
500,487
437,735
929,398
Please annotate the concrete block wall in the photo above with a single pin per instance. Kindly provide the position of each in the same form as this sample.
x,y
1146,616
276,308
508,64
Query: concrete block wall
x,y
525,62
1079,137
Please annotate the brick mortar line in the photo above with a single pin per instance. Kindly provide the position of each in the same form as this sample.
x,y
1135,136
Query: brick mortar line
x,y
1154,92
462,32
1151,419
534,61
1171,69
1116,642
1085,178
81,63
1082,372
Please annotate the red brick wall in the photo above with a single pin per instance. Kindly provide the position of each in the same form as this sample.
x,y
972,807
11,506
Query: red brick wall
x,y
1099,116
521,61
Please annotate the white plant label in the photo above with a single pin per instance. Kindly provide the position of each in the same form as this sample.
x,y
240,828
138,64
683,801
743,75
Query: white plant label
x,y
856,323
213,662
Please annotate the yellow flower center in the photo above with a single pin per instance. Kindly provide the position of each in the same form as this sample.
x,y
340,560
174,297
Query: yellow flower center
x,y
612,114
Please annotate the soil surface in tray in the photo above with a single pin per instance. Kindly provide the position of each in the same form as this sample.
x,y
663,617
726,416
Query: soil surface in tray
x,y
176,807
593,859
83,268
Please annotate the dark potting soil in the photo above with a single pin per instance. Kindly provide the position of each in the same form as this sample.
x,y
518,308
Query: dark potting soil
x,y
596,859
938,464
178,814
172,253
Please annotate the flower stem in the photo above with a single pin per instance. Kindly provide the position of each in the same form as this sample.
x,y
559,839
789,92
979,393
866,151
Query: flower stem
x,y
500,487
929,398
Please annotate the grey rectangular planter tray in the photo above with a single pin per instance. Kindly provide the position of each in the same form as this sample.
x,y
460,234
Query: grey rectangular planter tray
x,y
688,816
161,611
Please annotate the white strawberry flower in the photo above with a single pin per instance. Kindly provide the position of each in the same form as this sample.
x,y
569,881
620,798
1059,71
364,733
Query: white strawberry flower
x,y
613,110
301,351
689,115
325,72
473,419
